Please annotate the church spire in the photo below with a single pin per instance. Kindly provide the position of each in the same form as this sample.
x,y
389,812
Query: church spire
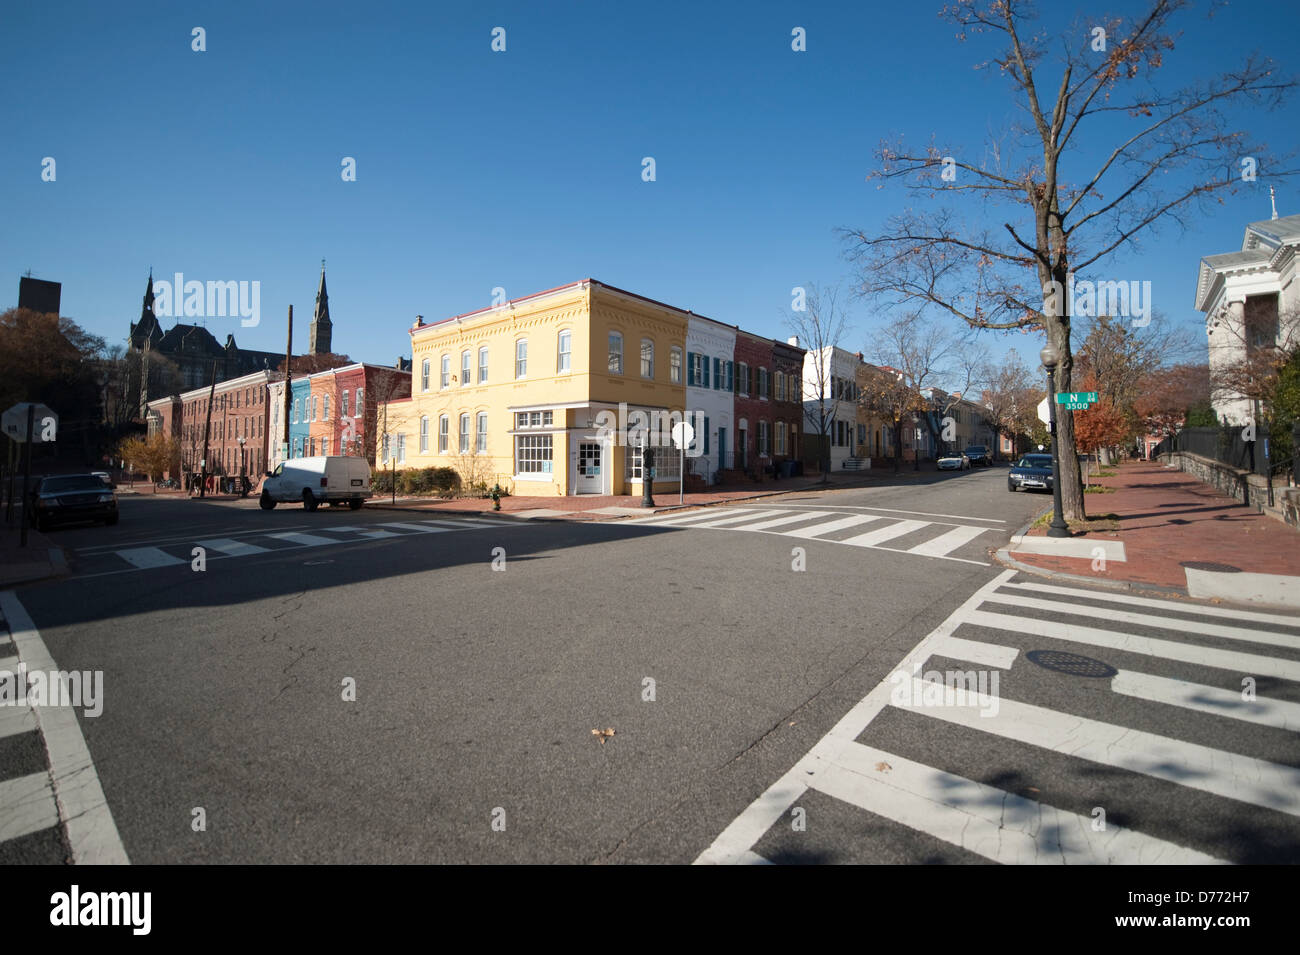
x,y
147,329
321,326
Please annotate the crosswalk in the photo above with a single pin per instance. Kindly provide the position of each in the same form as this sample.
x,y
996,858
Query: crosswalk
x,y
1052,724
91,561
940,536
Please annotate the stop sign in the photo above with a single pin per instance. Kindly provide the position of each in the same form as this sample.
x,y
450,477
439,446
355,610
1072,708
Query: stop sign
x,y
45,423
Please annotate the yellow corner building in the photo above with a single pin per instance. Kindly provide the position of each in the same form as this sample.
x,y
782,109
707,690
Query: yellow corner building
x,y
539,394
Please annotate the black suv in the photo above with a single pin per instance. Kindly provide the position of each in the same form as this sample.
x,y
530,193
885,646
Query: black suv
x,y
979,456
66,498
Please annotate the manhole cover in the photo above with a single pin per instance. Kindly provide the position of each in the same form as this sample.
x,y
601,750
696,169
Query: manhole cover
x,y
1210,565
1071,663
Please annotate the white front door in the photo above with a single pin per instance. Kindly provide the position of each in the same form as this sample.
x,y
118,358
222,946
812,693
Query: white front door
x,y
591,475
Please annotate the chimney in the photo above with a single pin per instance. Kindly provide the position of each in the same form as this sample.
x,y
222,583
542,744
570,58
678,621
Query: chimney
x,y
793,340
419,322
860,356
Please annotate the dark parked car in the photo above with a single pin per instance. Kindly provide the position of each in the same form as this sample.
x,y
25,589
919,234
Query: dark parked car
x,y
1031,471
72,497
979,456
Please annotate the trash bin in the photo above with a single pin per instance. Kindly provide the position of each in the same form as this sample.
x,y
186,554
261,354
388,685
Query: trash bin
x,y
787,469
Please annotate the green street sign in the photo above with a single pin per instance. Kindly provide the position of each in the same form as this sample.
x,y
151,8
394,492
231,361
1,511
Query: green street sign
x,y
1076,397
1075,406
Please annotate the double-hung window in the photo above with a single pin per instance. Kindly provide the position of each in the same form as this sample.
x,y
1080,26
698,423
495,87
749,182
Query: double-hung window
x,y
675,365
445,378
442,434
521,358
424,435
464,434
615,353
481,444
564,358
466,370
424,375
482,364
647,358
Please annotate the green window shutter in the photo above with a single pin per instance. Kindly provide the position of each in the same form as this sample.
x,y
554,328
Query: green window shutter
x,y
690,368
706,434
704,363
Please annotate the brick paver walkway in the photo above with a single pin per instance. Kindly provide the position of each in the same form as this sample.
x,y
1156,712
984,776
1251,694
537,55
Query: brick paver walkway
x,y
1167,518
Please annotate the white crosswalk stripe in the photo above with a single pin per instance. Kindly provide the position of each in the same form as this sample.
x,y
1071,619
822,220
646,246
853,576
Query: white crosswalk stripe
x,y
147,558
175,553
812,524
1177,715
224,545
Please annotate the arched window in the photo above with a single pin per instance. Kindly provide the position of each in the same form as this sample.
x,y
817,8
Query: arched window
x,y
464,434
446,371
424,375
481,445
482,365
647,358
442,434
521,360
675,365
466,369
424,435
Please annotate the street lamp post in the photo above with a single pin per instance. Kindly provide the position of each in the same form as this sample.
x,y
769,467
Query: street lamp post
x,y
241,441
1051,358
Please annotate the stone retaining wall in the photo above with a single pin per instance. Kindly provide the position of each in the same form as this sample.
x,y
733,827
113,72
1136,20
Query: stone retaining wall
x,y
1250,489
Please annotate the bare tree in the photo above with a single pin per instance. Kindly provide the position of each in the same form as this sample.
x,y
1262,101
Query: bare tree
x,y
886,395
1011,397
1257,348
1171,151
819,327
933,362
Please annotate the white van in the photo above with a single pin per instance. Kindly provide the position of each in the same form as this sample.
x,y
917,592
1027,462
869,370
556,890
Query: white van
x,y
333,480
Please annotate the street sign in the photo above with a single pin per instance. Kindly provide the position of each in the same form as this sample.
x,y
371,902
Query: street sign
x,y
683,434
45,423
1075,406
1076,397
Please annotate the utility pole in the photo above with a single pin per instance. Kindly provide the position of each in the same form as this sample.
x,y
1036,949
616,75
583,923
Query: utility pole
x,y
207,429
288,383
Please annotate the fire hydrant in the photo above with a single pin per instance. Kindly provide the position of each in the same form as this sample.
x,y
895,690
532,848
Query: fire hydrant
x,y
496,497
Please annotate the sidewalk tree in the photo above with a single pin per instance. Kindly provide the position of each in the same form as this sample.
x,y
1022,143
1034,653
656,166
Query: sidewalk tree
x,y
152,454
886,395
930,360
1106,160
1104,426
1168,395
819,326
1011,396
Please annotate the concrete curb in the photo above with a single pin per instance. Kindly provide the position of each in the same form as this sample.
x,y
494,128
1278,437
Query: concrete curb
x,y
1003,556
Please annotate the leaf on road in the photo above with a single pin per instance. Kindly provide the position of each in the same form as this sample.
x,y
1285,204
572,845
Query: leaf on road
x,y
603,734
883,767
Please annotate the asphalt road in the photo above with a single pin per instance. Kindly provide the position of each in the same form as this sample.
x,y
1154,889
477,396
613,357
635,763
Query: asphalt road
x,y
478,686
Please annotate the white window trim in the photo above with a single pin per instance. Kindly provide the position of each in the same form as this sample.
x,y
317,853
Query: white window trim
x,y
518,342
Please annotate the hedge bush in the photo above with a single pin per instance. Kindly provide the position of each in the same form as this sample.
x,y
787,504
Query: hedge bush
x,y
444,482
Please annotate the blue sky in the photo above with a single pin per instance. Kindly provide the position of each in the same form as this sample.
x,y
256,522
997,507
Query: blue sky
x,y
520,169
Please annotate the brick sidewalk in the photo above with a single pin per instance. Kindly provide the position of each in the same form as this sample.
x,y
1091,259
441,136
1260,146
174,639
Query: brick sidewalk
x,y
1168,519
